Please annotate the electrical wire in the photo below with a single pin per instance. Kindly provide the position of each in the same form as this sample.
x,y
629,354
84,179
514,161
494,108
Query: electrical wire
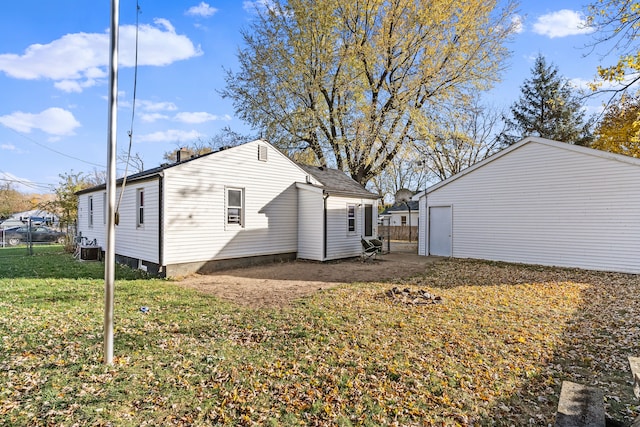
x,y
133,115
55,151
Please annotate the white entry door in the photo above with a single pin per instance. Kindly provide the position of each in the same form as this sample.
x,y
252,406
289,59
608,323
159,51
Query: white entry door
x,y
440,230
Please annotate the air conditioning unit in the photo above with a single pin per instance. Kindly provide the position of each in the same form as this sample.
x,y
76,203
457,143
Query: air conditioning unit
x,y
90,253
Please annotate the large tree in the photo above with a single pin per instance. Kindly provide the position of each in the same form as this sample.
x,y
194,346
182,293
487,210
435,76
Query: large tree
x,y
347,80
65,204
617,27
458,137
619,128
12,201
548,107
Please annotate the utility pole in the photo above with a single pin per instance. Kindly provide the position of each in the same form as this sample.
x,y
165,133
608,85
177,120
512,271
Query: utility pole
x,y
110,250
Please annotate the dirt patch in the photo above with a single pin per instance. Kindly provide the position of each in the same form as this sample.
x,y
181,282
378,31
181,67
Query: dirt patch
x,y
277,285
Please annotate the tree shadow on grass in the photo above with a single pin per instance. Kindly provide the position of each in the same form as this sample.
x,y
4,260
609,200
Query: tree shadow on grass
x,y
592,349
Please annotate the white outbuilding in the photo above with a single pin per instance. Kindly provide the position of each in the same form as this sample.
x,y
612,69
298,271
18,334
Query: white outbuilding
x,y
538,202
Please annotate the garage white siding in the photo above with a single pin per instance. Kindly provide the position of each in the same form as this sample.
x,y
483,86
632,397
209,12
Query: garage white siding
x,y
422,230
195,226
546,202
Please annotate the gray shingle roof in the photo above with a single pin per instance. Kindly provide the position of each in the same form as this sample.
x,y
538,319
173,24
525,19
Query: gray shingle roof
x,y
401,207
336,181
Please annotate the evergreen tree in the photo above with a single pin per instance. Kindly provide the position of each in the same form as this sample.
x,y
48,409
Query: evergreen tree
x,y
549,108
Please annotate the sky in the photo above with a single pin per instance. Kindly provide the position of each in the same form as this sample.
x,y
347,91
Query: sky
x,y
54,78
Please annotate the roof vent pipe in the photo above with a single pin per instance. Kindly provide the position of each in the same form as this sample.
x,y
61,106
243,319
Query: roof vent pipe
x,y
181,154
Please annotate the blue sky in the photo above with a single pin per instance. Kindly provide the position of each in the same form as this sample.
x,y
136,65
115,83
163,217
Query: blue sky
x,y
54,82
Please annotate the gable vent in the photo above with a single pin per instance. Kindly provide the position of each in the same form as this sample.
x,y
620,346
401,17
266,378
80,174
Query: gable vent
x,y
262,153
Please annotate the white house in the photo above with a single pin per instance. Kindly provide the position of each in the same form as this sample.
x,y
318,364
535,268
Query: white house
x,y
236,206
538,202
401,214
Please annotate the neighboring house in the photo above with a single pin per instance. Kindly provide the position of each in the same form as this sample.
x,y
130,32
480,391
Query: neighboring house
x,y
236,206
401,214
37,217
538,202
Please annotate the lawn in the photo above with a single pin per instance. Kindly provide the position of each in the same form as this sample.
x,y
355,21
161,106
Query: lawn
x,y
493,352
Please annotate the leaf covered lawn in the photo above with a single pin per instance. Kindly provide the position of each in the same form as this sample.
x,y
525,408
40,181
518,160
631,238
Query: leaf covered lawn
x,y
494,352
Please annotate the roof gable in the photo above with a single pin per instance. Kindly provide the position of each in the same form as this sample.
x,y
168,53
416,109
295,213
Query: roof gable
x,y
331,180
531,140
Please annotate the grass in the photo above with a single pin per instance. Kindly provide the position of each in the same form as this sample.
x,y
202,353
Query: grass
x,y
493,353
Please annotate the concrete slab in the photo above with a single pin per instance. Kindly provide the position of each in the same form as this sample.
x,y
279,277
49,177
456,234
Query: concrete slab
x,y
580,406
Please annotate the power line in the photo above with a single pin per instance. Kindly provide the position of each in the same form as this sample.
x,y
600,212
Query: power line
x,y
55,151
27,183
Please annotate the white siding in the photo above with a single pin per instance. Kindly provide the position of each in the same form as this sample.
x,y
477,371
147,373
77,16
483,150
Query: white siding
x,y
340,242
97,231
131,241
542,203
423,230
310,223
195,222
395,218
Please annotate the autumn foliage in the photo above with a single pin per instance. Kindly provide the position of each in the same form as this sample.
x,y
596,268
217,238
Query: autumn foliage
x,y
619,129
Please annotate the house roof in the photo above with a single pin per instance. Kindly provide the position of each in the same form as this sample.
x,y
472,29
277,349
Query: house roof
x,y
401,207
531,140
337,182
332,180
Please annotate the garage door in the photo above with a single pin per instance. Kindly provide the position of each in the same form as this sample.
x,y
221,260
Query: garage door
x,y
440,230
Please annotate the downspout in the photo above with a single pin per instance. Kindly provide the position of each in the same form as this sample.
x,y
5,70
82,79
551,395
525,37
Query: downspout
x,y
325,238
161,226
409,207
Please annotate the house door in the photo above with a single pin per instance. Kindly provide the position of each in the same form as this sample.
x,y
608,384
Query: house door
x,y
440,230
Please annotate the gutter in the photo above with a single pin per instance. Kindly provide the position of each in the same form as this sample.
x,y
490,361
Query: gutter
x,y
325,196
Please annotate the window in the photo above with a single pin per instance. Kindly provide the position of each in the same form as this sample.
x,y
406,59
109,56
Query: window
x,y
403,220
90,211
140,207
351,218
368,220
235,202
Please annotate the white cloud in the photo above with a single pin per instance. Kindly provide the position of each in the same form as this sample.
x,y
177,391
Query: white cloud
x,y
54,121
199,117
80,60
203,10
561,24
252,6
152,117
517,23
156,106
8,147
171,135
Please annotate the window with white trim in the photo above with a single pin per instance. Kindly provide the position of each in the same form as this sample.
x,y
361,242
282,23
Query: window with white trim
x,y
90,211
235,206
351,218
140,207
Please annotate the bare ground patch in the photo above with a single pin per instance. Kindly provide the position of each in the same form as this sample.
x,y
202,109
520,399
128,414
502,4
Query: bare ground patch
x,y
277,285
